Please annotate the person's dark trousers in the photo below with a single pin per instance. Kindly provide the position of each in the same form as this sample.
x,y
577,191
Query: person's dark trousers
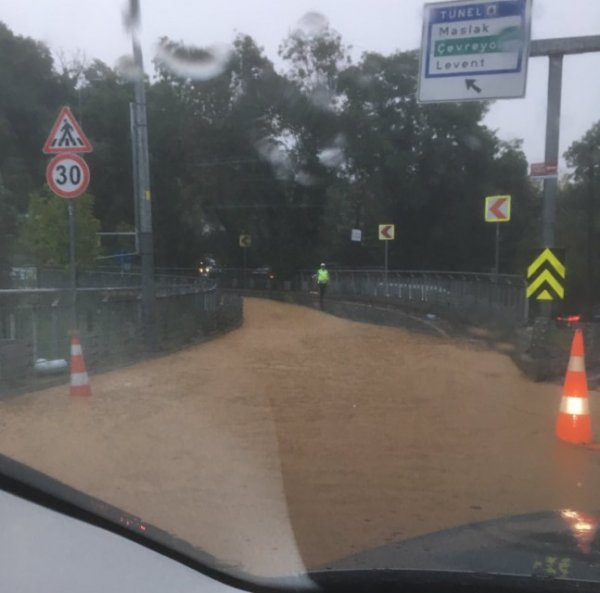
x,y
322,289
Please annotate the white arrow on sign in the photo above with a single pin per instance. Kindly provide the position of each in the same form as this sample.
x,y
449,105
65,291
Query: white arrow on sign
x,y
68,175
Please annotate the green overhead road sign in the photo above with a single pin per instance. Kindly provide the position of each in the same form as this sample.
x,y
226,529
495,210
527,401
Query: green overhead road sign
x,y
474,50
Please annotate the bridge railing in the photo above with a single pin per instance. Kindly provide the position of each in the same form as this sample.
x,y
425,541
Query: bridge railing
x,y
42,277
495,298
492,296
36,315
35,325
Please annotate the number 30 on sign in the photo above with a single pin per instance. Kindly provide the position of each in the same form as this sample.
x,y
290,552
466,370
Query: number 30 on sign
x,y
68,175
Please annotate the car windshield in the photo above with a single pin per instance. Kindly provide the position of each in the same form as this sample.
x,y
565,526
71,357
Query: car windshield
x,y
308,286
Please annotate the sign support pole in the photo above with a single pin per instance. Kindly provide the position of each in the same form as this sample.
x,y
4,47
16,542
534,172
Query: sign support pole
x,y
136,175
72,264
555,50
497,254
142,167
245,265
551,156
552,140
385,267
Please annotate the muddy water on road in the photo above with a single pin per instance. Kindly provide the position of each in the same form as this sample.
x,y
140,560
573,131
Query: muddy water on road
x,y
301,438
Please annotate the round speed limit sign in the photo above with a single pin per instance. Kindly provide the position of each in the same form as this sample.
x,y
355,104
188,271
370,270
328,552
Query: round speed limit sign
x,y
68,175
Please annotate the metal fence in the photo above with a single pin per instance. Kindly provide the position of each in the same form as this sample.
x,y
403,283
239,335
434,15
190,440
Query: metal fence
x,y
479,296
39,277
251,279
35,324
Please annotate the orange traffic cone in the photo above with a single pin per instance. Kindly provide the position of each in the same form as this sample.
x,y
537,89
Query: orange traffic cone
x,y
80,382
573,424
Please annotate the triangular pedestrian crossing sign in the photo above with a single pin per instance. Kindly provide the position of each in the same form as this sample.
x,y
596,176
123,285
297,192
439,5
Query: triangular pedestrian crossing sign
x,y
66,135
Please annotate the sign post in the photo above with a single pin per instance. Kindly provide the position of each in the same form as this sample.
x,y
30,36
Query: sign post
x,y
245,243
474,51
68,176
387,232
555,50
497,210
141,169
72,263
478,51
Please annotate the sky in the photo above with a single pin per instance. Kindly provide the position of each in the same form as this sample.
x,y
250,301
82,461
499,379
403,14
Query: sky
x,y
94,28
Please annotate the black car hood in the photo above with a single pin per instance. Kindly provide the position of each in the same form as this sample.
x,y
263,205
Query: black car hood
x,y
555,548
559,545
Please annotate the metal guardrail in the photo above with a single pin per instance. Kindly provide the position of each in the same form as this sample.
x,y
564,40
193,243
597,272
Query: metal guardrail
x,y
32,277
37,314
484,295
35,324
477,297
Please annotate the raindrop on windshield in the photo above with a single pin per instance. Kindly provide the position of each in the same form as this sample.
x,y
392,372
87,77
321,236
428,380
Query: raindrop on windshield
x,y
207,64
313,24
127,68
274,153
304,178
331,157
473,142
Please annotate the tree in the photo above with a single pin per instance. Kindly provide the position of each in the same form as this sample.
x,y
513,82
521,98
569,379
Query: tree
x,y
31,94
295,159
425,168
225,162
44,233
8,220
580,200
104,100
316,55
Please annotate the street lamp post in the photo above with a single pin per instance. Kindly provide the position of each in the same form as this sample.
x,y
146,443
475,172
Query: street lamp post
x,y
142,184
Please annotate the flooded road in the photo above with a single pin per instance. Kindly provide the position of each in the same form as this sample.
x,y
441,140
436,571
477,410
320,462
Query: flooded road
x,y
302,438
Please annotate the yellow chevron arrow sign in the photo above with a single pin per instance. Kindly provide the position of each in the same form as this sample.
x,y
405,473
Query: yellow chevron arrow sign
x,y
546,276
546,256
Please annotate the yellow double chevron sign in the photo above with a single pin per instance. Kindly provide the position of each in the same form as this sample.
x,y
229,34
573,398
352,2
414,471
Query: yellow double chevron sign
x,y
546,275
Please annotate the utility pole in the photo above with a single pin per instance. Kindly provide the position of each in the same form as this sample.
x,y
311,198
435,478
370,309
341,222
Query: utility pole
x,y
142,184
555,50
552,147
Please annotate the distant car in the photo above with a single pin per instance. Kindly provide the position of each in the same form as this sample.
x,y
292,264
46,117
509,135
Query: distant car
x,y
207,267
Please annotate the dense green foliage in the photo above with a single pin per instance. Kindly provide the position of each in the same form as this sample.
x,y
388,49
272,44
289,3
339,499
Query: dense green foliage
x,y
578,229
44,232
294,158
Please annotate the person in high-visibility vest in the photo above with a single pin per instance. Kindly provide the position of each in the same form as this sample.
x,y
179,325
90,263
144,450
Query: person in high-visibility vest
x,y
322,277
